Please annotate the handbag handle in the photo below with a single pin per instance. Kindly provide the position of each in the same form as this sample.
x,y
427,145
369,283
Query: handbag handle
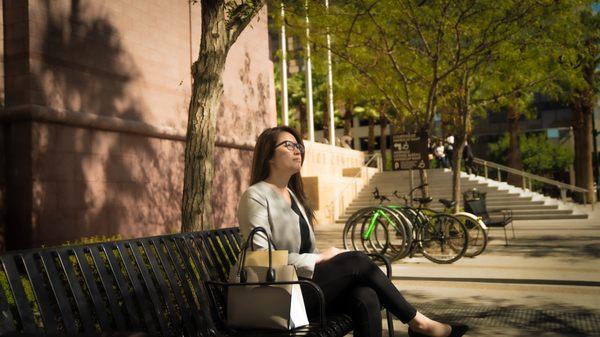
x,y
241,271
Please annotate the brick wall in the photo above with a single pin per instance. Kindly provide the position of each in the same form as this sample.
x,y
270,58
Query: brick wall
x,y
97,110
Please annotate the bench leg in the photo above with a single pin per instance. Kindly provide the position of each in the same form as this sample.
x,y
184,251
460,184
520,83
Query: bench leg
x,y
390,323
505,237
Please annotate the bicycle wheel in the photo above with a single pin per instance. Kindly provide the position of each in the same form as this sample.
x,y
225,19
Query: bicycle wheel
x,y
400,236
443,238
478,236
351,235
363,232
371,229
377,240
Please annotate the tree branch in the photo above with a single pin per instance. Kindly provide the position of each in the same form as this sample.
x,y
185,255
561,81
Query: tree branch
x,y
240,16
389,53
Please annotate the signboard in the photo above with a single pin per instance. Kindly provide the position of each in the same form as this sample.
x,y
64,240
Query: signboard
x,y
410,151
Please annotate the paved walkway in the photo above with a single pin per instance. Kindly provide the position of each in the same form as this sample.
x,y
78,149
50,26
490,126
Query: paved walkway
x,y
545,283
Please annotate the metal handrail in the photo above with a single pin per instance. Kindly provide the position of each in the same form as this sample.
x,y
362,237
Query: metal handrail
x,y
331,206
530,177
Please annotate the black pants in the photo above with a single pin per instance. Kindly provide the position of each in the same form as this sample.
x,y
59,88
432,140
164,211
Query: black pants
x,y
354,285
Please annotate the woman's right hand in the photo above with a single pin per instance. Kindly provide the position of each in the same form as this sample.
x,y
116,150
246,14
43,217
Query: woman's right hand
x,y
329,253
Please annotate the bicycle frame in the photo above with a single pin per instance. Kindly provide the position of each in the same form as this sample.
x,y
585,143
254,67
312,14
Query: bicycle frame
x,y
373,221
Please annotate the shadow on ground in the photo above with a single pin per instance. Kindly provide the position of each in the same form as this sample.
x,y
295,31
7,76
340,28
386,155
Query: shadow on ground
x,y
549,246
515,320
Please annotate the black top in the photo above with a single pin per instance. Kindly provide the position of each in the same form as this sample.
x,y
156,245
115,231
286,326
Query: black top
x,y
304,231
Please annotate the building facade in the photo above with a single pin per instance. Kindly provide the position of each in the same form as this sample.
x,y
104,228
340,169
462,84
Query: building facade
x,y
94,112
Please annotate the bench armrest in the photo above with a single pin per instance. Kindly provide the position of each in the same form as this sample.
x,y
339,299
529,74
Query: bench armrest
x,y
309,283
506,213
385,260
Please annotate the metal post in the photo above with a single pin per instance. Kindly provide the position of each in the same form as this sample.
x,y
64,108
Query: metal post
x,y
485,170
596,156
330,85
524,182
563,194
410,185
355,126
499,176
309,91
284,88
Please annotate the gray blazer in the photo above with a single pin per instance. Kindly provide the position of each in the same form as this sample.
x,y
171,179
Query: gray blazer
x,y
262,206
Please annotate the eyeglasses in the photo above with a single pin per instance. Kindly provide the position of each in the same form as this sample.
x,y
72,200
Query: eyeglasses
x,y
291,146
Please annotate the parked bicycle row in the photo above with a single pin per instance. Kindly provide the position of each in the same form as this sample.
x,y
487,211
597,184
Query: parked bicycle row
x,y
398,230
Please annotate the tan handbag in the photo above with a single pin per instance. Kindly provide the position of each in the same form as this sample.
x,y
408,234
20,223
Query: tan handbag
x,y
266,306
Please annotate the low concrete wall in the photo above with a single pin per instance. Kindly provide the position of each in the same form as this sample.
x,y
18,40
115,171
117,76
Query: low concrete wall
x,y
332,177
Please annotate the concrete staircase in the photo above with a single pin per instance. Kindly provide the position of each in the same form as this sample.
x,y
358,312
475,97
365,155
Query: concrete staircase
x,y
526,205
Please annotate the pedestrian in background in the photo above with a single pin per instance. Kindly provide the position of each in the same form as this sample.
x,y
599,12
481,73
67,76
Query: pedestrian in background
x,y
449,150
468,157
440,155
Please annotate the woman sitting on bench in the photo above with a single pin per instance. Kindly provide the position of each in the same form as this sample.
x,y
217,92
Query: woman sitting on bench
x,y
350,281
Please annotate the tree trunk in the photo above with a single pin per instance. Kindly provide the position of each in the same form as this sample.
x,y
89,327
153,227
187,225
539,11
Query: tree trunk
x,y
207,90
456,167
347,117
371,143
459,145
514,151
325,120
383,138
303,119
424,181
460,138
583,108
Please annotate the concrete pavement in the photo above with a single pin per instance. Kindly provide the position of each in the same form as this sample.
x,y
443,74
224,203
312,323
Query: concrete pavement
x,y
545,283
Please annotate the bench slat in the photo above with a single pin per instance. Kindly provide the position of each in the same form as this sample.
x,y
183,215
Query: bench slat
x,y
41,294
23,308
60,295
233,248
137,288
234,239
126,295
152,293
106,282
150,249
197,287
92,287
226,244
193,246
80,300
209,264
189,297
185,258
7,324
220,250
212,255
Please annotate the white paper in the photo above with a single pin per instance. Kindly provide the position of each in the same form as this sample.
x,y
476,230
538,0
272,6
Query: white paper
x,y
298,316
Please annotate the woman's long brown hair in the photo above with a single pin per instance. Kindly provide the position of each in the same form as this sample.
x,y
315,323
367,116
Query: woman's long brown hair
x,y
264,151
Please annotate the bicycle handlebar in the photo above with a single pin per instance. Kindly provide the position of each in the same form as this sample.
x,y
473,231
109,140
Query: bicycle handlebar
x,y
405,197
416,188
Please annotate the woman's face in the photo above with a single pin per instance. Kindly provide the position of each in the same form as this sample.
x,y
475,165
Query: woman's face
x,y
287,157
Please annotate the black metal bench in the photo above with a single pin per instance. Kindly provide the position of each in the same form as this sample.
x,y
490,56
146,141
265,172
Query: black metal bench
x,y
475,203
146,286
